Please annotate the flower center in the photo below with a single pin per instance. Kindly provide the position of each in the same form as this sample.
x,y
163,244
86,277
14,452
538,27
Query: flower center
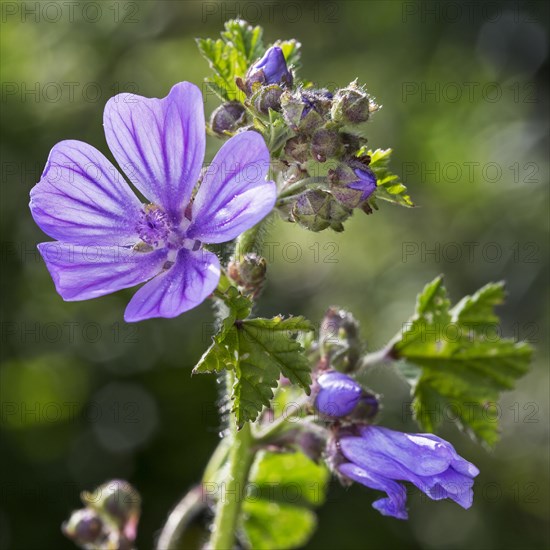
x,y
155,229
153,226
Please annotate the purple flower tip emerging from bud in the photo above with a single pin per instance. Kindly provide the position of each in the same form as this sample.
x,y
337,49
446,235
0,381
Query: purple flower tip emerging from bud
x,y
365,183
339,395
271,68
379,458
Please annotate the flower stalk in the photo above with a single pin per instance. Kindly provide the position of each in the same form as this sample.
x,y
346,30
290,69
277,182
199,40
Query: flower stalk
x,y
232,491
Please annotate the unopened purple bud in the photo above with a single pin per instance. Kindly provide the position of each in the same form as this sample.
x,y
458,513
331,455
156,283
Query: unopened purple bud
x,y
270,69
338,394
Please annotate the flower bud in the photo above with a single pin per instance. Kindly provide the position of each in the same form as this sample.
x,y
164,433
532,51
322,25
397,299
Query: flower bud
x,y
310,122
352,143
338,395
227,117
325,143
249,272
351,105
118,501
316,210
350,198
267,97
301,113
292,108
339,339
318,100
84,527
270,69
298,148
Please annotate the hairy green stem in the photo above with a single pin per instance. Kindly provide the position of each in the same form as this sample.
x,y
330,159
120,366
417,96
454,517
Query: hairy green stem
x,y
241,453
231,492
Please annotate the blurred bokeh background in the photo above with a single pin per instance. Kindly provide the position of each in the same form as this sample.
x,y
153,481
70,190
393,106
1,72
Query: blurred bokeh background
x,y
86,398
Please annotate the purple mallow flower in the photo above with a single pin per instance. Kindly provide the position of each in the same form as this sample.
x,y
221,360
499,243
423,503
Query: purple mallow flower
x,y
107,239
379,458
366,182
270,69
339,395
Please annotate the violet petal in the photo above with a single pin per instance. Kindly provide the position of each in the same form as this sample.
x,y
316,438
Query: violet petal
x,y
234,195
81,198
183,286
159,143
84,272
394,505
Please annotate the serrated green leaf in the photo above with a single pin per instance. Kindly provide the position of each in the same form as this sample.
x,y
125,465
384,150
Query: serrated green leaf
x,y
226,65
283,488
221,354
273,337
245,38
259,351
476,311
267,350
239,305
461,369
388,185
230,56
432,308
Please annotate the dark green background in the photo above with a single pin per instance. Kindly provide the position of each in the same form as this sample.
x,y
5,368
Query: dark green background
x,y
112,400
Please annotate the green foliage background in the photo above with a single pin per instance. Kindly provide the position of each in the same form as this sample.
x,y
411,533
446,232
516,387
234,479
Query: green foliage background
x,y
112,400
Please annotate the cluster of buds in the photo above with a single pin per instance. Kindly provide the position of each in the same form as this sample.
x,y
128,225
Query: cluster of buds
x,y
327,147
319,140
109,520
